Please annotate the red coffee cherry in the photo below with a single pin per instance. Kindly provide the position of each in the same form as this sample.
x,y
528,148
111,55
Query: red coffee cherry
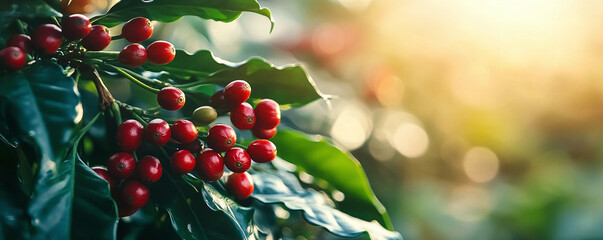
x,y
182,162
161,52
210,165
237,92
134,193
263,133
137,30
158,132
204,115
194,147
76,27
121,165
21,41
104,173
218,102
261,151
240,185
221,137
129,135
12,58
237,160
133,55
267,114
47,38
123,209
148,169
171,98
242,116
98,38
184,131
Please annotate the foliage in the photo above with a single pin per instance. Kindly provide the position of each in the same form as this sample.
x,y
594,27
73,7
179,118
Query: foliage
x,y
50,140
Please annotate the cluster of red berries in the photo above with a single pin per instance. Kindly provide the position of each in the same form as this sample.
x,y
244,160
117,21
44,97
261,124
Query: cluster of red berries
x,y
128,178
48,38
135,55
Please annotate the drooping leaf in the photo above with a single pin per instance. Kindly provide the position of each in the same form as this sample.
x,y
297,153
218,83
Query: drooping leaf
x,y
286,85
340,169
41,108
283,188
172,10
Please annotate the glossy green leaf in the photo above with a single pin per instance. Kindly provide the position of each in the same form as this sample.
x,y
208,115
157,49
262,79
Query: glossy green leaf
x,y
283,188
339,168
286,85
94,212
41,108
172,10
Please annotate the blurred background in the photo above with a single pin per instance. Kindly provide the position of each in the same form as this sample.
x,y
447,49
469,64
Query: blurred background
x,y
476,119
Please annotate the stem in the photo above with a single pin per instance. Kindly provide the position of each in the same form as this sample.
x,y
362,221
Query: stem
x,y
191,84
105,99
116,113
150,112
103,54
56,21
154,82
138,118
133,79
113,38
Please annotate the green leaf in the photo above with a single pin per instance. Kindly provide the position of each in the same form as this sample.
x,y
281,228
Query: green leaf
x,y
172,10
286,85
340,169
198,212
40,107
271,188
94,211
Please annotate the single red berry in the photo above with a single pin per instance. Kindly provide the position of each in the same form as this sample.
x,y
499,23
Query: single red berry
x,y
237,160
12,58
76,27
121,165
47,38
267,114
204,115
221,137
148,169
218,102
210,165
123,209
261,151
182,162
158,132
171,98
161,52
237,92
137,30
98,38
184,131
129,135
134,193
240,185
133,55
263,133
104,173
242,116
21,41
194,147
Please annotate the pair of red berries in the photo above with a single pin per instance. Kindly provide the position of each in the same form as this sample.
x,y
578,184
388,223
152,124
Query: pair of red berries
x,y
135,55
127,180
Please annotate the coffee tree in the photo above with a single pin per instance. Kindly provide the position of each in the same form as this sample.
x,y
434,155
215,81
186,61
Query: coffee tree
x,y
197,151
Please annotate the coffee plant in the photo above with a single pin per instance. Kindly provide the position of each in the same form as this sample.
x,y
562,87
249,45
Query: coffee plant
x,y
197,151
